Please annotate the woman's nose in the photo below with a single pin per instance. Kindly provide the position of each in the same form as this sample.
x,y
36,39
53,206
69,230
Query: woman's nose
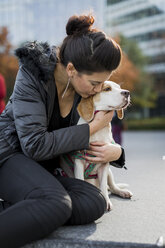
x,y
98,88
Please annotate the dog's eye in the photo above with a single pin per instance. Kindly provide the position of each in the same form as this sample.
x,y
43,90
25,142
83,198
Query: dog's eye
x,y
108,89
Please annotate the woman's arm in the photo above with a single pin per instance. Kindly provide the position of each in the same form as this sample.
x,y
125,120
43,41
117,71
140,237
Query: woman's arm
x,y
101,120
31,124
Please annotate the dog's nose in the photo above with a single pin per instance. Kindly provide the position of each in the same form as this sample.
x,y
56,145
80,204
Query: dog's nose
x,y
125,93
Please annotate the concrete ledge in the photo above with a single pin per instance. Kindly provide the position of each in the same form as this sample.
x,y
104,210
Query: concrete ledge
x,y
79,243
138,222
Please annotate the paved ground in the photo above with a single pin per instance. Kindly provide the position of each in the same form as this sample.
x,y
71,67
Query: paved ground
x,y
139,220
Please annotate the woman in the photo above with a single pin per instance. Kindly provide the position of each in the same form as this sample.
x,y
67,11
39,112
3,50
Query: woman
x,y
2,93
39,124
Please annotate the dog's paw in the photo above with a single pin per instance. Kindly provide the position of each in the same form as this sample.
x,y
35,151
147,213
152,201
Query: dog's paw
x,y
109,205
124,193
119,189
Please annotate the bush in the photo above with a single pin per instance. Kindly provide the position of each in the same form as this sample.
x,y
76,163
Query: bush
x,y
156,123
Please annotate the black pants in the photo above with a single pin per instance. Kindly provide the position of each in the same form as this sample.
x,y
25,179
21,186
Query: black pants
x,y
39,202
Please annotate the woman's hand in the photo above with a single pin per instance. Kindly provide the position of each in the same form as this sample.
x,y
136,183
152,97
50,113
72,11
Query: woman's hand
x,y
101,120
103,152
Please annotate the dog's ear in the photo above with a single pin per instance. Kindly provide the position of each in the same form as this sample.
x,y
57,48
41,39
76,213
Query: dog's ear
x,y
120,114
86,108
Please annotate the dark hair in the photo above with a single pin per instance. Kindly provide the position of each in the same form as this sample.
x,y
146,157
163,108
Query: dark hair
x,y
89,49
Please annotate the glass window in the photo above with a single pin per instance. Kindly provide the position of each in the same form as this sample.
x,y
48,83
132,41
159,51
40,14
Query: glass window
x,y
159,34
137,15
110,2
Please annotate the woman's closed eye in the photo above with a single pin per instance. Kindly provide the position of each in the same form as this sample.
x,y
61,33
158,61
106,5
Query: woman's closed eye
x,y
94,83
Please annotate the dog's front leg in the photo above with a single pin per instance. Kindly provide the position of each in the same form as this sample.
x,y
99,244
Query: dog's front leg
x,y
115,188
102,176
79,169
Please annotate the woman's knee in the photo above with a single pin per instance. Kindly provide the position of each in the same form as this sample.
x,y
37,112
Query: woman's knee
x,y
88,203
51,207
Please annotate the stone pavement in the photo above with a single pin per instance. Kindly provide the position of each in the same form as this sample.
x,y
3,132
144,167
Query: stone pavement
x,y
138,222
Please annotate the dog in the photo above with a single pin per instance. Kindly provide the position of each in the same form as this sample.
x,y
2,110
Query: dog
x,y
112,97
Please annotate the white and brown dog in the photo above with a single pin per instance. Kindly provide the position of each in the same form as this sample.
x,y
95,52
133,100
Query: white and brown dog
x,y
112,97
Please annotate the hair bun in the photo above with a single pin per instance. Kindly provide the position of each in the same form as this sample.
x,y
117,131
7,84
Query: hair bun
x,y
79,24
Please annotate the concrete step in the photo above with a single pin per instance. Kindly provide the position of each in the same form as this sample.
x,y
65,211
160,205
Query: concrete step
x,y
138,222
80,243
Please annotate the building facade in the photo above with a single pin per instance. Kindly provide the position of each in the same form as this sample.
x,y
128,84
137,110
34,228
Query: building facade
x,y
44,20
143,21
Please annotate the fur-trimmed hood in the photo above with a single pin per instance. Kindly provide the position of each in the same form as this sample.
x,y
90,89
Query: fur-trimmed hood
x,y
39,58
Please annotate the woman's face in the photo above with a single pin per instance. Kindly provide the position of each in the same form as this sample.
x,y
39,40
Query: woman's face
x,y
86,85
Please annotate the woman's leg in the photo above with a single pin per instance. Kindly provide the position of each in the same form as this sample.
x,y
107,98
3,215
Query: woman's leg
x,y
88,203
39,203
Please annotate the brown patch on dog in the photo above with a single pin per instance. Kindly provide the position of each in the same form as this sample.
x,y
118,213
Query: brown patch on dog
x,y
120,114
106,87
97,97
86,108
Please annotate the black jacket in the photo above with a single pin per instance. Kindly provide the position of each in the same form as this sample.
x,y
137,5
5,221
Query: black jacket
x,y
25,120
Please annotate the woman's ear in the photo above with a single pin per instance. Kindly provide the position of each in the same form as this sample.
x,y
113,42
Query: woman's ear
x,y
120,114
86,108
70,69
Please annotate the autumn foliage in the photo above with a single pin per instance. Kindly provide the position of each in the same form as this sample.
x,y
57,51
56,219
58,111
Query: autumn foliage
x,y
127,74
131,74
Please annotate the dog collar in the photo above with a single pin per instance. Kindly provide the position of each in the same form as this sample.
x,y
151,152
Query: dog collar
x,y
96,112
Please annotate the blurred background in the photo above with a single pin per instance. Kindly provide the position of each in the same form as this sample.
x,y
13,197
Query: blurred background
x,y
137,25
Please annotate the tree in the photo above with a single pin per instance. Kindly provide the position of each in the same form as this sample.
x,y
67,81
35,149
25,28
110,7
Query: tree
x,y
127,74
136,79
8,63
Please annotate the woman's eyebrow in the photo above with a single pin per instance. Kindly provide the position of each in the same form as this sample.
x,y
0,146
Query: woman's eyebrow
x,y
93,81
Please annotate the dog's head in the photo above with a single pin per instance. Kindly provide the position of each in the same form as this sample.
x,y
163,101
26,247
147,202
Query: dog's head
x,y
112,97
